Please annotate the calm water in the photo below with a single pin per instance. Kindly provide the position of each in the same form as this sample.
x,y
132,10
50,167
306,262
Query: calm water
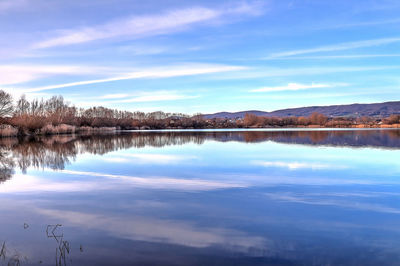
x,y
202,198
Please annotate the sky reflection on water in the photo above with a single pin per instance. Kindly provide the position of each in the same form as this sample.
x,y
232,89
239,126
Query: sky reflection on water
x,y
204,198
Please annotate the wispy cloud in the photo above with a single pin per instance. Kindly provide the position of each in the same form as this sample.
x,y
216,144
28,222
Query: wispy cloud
x,y
337,47
264,72
114,96
143,50
157,97
354,24
149,25
323,57
146,96
160,72
292,87
14,74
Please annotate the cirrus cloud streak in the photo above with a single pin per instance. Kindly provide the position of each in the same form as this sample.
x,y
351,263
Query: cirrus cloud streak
x,y
149,25
338,47
159,72
291,87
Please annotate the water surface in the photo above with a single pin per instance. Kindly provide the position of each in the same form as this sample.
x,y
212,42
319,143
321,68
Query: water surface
x,y
319,197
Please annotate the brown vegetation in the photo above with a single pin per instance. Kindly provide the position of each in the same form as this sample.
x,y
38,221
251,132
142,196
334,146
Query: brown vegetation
x,y
55,116
317,120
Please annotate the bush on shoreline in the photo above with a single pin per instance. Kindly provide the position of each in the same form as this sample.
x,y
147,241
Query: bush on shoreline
x,y
60,129
8,131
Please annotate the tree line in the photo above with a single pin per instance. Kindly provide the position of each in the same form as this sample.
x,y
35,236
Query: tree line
x,y
55,116
318,120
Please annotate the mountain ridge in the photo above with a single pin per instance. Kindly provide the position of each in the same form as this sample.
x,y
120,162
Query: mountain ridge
x,y
383,109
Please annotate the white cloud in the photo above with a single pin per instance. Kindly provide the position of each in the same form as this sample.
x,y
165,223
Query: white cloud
x,y
292,87
300,71
14,74
155,97
338,47
148,25
114,96
31,73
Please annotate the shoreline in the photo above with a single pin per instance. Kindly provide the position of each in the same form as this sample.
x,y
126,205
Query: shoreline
x,y
10,131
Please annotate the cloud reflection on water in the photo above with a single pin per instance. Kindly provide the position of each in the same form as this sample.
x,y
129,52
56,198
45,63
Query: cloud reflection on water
x,y
30,183
294,165
157,230
350,202
148,158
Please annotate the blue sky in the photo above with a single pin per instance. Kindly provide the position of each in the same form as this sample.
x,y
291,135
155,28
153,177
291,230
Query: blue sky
x,y
201,56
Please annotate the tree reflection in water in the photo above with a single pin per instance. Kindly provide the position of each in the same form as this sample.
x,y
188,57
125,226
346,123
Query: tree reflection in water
x,y
6,165
56,151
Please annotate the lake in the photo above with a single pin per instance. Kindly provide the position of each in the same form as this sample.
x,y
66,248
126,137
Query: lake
x,y
225,197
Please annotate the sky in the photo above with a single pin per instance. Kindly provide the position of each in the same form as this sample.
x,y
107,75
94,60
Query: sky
x,y
204,56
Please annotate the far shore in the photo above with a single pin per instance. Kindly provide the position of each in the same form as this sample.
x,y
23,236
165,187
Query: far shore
x,y
11,131
55,116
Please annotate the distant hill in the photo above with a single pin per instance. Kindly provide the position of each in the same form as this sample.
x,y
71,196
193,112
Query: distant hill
x,y
350,110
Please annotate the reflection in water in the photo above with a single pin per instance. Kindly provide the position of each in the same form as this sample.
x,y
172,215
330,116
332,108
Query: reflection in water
x,y
6,165
55,152
160,200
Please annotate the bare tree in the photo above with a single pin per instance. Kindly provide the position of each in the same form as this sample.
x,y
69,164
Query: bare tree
x,y
250,119
22,105
6,104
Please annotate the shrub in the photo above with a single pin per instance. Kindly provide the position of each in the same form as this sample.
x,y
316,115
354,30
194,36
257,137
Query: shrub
x,y
8,131
60,129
